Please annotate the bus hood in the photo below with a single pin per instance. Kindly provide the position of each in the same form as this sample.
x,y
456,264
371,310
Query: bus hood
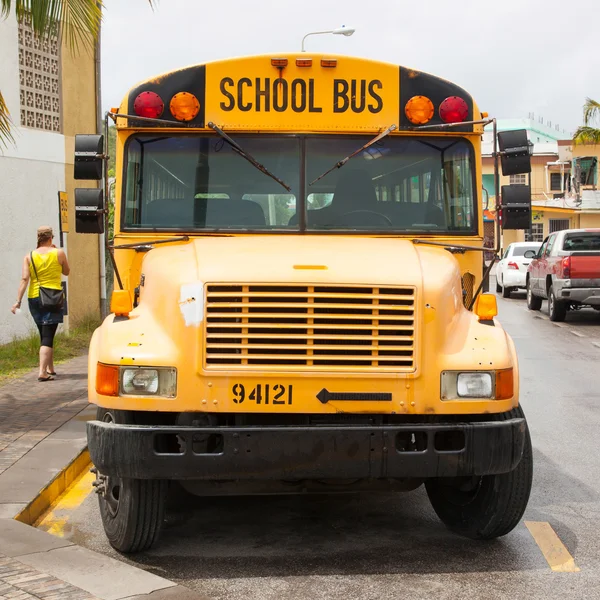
x,y
181,273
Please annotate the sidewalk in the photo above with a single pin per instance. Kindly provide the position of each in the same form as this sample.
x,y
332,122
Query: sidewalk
x,y
42,434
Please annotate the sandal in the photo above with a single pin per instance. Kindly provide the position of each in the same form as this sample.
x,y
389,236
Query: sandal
x,y
51,373
49,378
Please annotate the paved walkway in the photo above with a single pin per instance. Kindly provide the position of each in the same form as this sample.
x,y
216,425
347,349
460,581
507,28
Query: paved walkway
x,y
42,430
31,410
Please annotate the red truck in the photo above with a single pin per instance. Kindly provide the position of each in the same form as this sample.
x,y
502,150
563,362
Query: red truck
x,y
566,270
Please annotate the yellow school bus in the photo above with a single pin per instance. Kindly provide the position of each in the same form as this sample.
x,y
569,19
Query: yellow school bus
x,y
298,246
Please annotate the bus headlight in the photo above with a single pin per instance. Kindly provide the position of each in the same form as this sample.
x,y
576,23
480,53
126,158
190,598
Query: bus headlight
x,y
146,381
474,385
497,385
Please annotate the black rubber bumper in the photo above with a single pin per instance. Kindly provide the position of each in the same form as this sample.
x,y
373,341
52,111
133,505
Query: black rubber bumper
x,y
318,452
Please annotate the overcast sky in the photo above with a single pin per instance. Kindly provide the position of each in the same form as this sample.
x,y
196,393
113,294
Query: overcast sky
x,y
513,56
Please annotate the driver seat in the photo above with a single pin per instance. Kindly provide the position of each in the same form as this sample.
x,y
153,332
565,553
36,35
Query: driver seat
x,y
354,191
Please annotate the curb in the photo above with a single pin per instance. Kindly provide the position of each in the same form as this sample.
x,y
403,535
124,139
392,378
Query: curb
x,y
50,493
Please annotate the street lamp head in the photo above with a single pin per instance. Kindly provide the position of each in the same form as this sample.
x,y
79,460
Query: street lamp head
x,y
343,30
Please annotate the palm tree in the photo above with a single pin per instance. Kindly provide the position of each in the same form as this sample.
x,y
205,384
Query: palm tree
x,y
78,23
586,134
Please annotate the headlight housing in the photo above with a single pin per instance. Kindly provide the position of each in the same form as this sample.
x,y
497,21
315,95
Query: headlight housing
x,y
148,381
467,385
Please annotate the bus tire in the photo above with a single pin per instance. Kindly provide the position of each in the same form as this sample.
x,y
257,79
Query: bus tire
x,y
485,507
132,510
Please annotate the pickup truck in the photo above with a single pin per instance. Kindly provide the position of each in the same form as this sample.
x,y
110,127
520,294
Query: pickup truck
x,y
566,271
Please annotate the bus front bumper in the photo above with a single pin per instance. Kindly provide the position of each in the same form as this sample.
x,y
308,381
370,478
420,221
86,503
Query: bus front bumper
x,y
415,450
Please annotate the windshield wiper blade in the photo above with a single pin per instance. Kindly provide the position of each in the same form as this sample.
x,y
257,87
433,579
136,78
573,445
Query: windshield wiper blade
x,y
237,148
342,162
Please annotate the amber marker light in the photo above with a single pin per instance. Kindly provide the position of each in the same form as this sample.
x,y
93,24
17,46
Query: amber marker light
x,y
419,110
107,380
504,384
184,106
304,62
329,62
280,63
121,303
486,307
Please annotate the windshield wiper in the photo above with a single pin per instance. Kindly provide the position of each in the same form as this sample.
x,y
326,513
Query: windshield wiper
x,y
239,150
342,162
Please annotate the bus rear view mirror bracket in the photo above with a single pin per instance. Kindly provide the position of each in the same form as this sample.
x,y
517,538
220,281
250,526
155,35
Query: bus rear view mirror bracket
x,y
89,156
516,207
89,210
515,152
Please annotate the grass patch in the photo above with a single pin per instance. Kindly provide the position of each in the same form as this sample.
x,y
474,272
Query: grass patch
x,y
22,354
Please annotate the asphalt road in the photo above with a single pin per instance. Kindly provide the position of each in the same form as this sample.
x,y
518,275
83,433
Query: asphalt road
x,y
392,545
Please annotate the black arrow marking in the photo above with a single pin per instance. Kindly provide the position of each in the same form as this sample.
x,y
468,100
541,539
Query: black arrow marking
x,y
325,396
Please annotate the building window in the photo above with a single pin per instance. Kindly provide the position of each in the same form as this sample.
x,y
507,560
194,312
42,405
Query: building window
x,y
519,179
39,73
558,225
555,180
536,233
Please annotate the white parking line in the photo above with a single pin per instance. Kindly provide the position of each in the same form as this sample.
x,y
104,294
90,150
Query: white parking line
x,y
559,324
597,344
577,333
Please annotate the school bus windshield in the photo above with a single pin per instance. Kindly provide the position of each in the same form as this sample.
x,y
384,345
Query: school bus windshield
x,y
399,185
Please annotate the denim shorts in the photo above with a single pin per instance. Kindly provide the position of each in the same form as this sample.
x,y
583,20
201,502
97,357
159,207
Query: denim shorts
x,y
43,316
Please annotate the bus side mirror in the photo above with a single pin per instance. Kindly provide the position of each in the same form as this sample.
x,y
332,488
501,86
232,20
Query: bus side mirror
x,y
89,155
515,152
89,210
516,207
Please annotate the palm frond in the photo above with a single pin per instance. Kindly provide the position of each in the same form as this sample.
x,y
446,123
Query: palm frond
x,y
587,135
5,123
591,110
5,8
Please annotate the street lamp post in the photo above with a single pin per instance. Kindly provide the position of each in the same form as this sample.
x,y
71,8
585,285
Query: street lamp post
x,y
347,31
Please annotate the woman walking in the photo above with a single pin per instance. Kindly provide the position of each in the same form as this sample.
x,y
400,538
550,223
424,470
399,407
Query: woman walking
x,y
43,268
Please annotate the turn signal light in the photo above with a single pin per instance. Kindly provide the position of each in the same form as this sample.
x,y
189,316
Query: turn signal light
x,y
304,62
148,105
329,62
184,106
121,303
454,110
486,307
504,384
107,380
419,110
279,62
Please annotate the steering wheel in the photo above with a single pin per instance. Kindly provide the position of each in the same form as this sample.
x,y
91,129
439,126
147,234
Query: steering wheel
x,y
368,212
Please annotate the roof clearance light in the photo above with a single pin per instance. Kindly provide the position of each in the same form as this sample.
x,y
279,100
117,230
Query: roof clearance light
x,y
329,62
279,62
184,106
304,62
419,110
454,110
149,105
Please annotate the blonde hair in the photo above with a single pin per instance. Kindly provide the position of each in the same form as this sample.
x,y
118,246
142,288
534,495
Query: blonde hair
x,y
43,237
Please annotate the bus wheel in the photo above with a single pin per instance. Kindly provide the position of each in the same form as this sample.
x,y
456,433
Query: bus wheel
x,y
132,510
485,507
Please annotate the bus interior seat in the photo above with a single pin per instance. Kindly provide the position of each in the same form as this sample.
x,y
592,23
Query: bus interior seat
x,y
220,212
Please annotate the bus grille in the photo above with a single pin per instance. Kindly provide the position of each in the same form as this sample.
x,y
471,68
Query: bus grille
x,y
295,327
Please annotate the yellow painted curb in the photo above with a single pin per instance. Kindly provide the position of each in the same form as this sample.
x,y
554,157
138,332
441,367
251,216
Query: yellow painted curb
x,y
48,495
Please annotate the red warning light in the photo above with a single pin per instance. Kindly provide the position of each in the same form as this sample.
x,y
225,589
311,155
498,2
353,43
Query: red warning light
x,y
149,105
454,110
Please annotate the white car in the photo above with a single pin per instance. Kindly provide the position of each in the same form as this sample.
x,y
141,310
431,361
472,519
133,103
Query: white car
x,y
511,271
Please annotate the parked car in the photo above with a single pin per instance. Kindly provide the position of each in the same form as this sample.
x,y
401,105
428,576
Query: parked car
x,y
511,270
566,270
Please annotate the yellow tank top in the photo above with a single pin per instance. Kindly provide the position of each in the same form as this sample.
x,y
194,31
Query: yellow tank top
x,y
49,272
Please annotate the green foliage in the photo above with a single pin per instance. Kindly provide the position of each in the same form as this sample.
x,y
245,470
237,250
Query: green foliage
x,y
22,354
586,133
5,135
